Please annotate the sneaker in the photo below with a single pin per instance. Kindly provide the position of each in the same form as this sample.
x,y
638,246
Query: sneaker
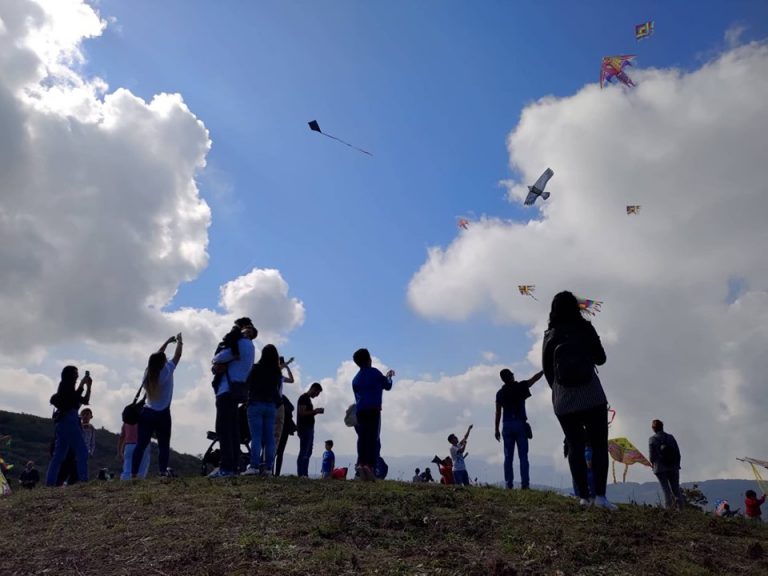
x,y
603,502
250,471
219,473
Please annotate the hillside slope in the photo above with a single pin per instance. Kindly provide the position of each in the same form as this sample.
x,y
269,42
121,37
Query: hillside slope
x,y
32,437
293,526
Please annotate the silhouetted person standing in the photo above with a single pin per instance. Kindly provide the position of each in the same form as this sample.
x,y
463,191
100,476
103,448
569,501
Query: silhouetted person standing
x,y
664,455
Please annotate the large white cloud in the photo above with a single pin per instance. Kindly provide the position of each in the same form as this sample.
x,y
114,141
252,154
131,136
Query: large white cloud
x,y
682,344
100,222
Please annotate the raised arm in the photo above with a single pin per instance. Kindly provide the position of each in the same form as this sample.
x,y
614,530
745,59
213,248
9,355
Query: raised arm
x,y
387,384
289,378
177,352
535,378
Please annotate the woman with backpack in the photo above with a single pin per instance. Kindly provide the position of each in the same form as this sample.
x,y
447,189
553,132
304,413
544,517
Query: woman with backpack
x,y
571,351
155,417
264,383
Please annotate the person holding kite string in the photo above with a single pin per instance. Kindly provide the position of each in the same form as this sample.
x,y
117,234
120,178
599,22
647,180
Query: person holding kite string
x,y
570,353
511,400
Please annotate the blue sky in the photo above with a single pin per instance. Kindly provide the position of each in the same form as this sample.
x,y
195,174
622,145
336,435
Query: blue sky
x,y
451,98
431,88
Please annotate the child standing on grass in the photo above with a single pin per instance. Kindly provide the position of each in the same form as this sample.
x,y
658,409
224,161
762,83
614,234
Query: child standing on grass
x,y
329,460
126,443
752,505
460,474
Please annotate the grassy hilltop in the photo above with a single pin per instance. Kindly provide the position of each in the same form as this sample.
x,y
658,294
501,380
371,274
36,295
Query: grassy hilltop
x,y
292,526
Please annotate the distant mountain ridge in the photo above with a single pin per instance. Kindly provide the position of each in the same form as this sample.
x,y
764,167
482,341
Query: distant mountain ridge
x,y
31,440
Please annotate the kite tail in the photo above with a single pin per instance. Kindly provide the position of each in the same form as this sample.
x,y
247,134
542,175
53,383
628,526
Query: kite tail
x,y
760,482
347,143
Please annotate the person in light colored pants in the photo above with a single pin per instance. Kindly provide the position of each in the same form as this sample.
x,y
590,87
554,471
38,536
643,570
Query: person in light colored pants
x,y
126,443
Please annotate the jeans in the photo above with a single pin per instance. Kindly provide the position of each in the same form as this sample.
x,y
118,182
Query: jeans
x,y
306,439
68,435
157,423
368,430
261,421
514,433
461,477
228,432
579,428
670,484
128,450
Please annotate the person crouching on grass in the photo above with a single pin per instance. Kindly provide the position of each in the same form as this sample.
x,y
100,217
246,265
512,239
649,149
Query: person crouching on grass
x,y
460,474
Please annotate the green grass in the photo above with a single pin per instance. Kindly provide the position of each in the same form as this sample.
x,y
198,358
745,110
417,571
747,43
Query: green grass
x,y
291,526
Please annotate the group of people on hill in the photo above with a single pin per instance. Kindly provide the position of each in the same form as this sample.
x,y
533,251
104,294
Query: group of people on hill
x,y
571,352
238,380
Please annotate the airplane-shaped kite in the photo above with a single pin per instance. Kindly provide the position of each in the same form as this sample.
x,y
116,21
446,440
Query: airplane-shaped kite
x,y
315,127
538,188
527,290
633,209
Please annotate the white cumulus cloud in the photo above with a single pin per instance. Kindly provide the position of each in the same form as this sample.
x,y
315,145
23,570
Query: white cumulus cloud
x,y
682,344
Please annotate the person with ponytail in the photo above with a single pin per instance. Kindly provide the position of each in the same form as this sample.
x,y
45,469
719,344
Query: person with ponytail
x,y
155,417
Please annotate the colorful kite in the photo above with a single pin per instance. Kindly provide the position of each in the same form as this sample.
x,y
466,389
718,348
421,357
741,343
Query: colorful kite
x,y
644,30
633,210
315,127
612,69
624,452
538,188
463,223
590,307
527,290
755,463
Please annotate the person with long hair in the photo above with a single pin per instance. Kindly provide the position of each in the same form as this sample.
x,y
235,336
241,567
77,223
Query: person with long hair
x,y
155,417
264,382
67,401
571,351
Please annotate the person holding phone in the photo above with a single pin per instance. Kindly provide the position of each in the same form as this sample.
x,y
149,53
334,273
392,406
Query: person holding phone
x,y
305,423
67,401
155,417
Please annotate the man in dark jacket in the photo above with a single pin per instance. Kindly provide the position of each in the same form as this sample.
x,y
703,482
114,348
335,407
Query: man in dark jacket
x,y
664,455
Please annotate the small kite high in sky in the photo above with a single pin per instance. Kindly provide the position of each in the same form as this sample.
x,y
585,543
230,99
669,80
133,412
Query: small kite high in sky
x,y
612,69
633,209
315,127
527,290
538,188
623,451
590,307
644,30
462,223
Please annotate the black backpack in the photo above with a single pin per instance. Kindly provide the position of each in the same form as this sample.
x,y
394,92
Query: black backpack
x,y
132,412
573,362
667,452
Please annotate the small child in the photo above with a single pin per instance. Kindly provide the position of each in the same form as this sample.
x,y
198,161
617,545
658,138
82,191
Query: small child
x,y
460,474
445,467
88,431
126,443
329,460
752,505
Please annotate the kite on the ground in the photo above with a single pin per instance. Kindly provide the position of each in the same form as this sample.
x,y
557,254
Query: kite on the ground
x,y
538,188
589,307
527,290
315,127
644,30
612,69
463,223
633,209
624,452
755,463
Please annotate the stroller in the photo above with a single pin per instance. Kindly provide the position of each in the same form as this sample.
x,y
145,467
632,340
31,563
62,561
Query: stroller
x,y
212,457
